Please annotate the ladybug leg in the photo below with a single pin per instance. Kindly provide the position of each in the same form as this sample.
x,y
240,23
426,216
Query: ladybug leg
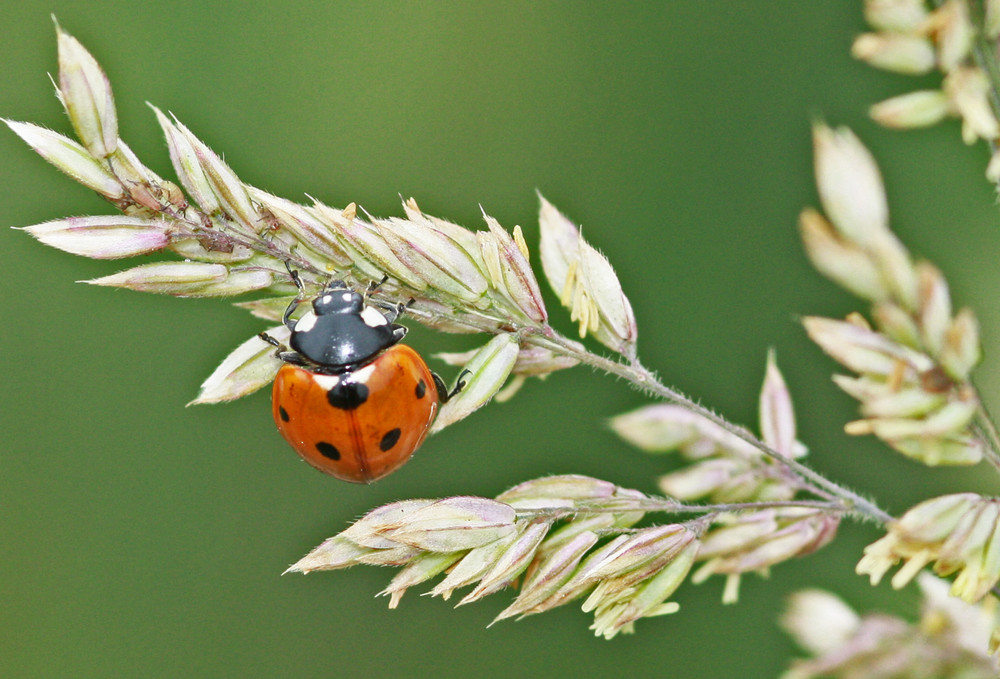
x,y
281,348
294,275
294,304
292,357
443,394
286,318
392,311
373,286
270,340
282,351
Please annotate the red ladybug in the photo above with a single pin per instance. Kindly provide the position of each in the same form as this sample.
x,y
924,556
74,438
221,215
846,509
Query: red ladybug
x,y
351,400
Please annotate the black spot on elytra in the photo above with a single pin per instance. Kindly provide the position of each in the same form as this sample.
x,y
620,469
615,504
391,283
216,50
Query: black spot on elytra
x,y
390,439
328,450
347,395
283,413
421,389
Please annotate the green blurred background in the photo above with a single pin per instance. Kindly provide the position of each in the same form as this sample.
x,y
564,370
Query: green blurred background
x,y
142,538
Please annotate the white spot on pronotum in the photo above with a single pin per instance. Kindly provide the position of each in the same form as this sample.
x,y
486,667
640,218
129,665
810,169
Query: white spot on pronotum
x,y
306,323
326,382
373,318
346,296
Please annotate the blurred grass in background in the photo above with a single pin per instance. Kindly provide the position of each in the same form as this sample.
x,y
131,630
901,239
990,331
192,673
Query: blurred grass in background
x,y
141,538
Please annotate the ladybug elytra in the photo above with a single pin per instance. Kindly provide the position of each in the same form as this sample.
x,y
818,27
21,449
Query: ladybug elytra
x,y
350,399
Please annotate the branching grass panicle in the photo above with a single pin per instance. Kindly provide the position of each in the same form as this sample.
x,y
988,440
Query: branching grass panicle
x,y
744,500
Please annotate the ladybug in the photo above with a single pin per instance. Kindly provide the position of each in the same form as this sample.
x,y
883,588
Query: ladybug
x,y
350,399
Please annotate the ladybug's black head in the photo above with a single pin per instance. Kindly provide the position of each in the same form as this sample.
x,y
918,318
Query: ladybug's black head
x,y
338,299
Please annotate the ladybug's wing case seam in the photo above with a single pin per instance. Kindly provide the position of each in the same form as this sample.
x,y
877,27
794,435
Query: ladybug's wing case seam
x,y
360,452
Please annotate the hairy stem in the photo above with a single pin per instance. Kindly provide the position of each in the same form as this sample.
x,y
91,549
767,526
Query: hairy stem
x,y
645,380
671,506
